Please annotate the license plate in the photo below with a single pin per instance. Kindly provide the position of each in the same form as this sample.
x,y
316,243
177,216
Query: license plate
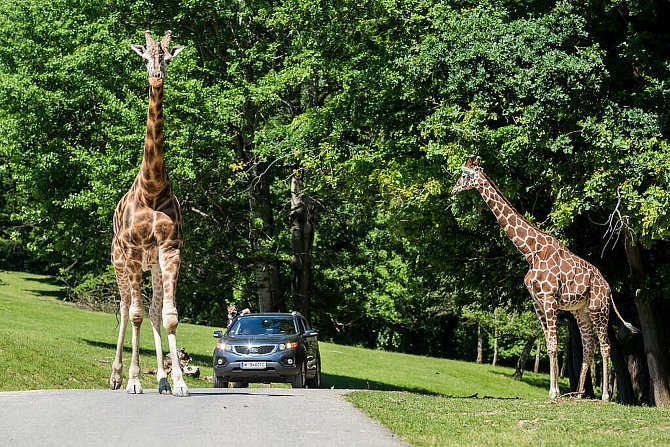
x,y
253,365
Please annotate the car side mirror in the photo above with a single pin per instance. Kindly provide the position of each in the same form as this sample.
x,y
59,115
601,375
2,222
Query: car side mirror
x,y
218,334
311,333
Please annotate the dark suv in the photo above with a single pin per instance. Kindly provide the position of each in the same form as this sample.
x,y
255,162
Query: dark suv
x,y
268,347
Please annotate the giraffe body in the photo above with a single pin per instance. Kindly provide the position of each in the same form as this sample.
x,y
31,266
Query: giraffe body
x,y
557,279
148,235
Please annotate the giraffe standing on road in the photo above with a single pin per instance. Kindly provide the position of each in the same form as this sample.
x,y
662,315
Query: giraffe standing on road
x,y
557,279
148,235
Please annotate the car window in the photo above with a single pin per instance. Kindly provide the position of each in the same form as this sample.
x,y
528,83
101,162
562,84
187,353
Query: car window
x,y
305,324
263,326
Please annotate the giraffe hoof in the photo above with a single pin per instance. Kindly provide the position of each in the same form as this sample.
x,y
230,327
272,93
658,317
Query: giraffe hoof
x,y
134,387
181,392
164,386
115,382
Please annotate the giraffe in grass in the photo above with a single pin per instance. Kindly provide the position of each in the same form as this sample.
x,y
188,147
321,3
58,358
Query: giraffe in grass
x,y
557,280
148,236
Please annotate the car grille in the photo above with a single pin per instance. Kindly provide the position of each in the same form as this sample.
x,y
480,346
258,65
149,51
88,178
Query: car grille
x,y
253,350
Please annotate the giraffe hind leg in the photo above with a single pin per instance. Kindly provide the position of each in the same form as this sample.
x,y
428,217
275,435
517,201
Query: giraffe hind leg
x,y
601,320
588,346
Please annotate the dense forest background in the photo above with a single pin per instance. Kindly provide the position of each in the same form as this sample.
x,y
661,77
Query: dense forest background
x,y
313,145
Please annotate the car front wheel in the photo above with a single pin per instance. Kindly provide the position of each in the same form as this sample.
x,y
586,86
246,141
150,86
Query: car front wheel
x,y
300,378
219,382
315,382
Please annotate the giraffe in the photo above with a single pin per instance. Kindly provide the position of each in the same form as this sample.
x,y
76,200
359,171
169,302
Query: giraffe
x,y
148,236
557,279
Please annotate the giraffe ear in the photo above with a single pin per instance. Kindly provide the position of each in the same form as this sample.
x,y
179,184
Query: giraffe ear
x,y
477,160
468,162
176,50
139,49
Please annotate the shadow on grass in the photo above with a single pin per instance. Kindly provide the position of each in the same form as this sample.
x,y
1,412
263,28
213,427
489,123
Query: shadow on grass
x,y
354,383
59,294
538,382
535,380
196,359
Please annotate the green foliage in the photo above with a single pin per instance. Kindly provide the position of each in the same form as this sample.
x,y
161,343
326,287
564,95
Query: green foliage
x,y
379,101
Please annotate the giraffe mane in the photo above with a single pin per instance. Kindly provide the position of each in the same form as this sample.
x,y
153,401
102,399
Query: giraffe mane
x,y
504,198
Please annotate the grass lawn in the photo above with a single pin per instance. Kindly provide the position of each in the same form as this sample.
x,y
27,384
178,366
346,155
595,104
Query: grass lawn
x,y
46,343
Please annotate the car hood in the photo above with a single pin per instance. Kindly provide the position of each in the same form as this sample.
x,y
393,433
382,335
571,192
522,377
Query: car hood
x,y
260,340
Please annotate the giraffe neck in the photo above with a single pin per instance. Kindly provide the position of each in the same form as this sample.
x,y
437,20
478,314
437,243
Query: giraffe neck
x,y
526,237
152,178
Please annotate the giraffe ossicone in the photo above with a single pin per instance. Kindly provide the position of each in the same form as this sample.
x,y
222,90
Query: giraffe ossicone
x,y
557,279
148,235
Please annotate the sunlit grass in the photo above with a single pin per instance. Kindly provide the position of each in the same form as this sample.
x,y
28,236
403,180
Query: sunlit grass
x,y
425,420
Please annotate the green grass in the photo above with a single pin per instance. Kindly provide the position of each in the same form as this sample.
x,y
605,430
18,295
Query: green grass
x,y
357,368
46,343
425,420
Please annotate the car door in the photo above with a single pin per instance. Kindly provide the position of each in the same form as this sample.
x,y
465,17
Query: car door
x,y
311,343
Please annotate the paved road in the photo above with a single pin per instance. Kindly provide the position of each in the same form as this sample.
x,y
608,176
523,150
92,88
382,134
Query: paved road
x,y
241,417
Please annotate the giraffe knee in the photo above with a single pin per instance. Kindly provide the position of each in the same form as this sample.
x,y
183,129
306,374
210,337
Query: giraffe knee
x,y
170,321
136,314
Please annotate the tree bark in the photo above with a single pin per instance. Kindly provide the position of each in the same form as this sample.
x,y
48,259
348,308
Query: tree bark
x,y
625,391
480,344
495,348
302,234
655,346
523,358
261,230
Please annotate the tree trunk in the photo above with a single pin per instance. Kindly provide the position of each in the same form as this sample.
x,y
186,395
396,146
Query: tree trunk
x,y
575,360
495,348
656,353
480,344
655,346
302,234
523,358
637,367
567,352
538,356
625,391
261,230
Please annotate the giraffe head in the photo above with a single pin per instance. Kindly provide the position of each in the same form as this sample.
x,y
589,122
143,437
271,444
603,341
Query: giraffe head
x,y
470,175
157,55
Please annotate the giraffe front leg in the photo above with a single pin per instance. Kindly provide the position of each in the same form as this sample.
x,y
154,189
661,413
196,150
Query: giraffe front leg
x,y
134,386
116,379
170,262
136,313
155,316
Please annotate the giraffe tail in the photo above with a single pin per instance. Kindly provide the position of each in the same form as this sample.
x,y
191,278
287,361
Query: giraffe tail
x,y
629,326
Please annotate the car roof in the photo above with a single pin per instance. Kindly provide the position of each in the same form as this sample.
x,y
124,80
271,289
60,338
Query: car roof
x,y
269,315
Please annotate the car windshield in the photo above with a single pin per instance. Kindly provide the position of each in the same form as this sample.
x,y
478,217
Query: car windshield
x,y
263,326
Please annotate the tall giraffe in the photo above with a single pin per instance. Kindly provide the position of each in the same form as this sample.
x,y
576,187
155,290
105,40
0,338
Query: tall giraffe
x,y
557,280
148,235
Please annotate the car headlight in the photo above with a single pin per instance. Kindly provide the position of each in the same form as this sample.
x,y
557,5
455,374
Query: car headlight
x,y
290,345
225,347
